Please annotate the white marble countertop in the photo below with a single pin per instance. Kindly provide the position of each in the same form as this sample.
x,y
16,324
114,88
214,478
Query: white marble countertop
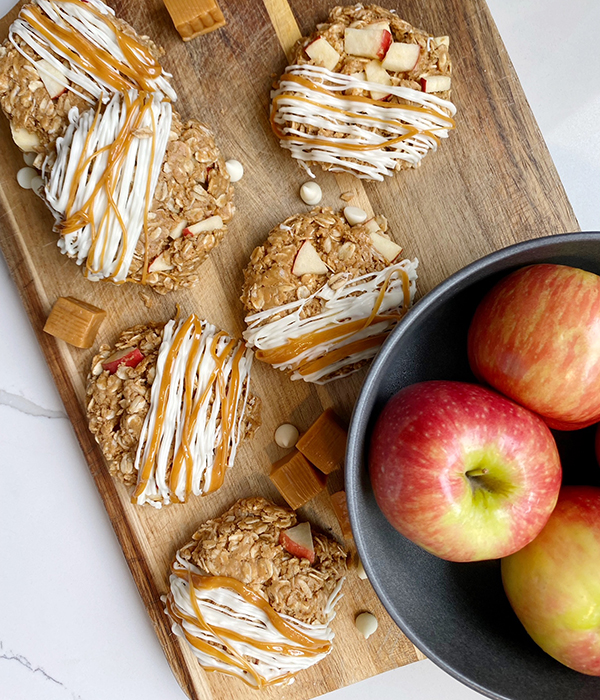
x,y
72,625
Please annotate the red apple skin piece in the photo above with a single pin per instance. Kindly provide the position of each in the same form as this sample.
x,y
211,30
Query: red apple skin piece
x,y
536,338
436,83
129,358
428,449
386,41
298,541
553,583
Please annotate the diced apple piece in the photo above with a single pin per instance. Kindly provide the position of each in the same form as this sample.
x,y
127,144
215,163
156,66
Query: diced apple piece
x,y
372,226
440,41
53,79
178,230
385,246
160,264
25,140
323,53
401,57
380,24
376,73
358,76
128,357
435,83
370,43
213,223
298,541
308,261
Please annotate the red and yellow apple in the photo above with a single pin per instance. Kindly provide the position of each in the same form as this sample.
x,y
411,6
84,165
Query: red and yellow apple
x,y
535,337
553,584
462,471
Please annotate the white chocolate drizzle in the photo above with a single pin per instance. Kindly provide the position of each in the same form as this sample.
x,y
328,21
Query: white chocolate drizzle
x,y
101,185
196,416
92,49
350,328
371,137
229,632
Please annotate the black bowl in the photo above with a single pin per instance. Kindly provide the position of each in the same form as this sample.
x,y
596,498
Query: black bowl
x,y
457,614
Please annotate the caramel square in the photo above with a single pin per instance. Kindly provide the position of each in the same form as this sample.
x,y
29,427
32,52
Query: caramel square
x,y
194,17
296,479
340,508
74,321
324,443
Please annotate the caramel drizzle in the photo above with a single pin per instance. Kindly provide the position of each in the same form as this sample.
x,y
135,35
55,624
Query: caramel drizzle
x,y
411,131
183,458
301,644
191,409
145,470
228,407
296,346
136,111
93,59
139,71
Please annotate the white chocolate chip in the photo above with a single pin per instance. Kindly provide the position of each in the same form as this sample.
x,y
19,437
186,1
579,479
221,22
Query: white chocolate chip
x,y
311,193
360,570
286,435
25,177
354,215
29,158
37,185
366,623
235,170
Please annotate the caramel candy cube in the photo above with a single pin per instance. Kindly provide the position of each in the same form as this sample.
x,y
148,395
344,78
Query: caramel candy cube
x,y
194,17
324,443
74,321
340,508
296,479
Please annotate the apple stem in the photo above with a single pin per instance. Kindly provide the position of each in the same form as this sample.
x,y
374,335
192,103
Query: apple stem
x,y
477,472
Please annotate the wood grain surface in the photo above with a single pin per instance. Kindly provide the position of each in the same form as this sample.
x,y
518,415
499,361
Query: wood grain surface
x,y
491,184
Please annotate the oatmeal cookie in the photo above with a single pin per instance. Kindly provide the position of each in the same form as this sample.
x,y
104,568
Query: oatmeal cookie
x,y
365,93
137,194
250,590
36,98
128,386
187,218
321,294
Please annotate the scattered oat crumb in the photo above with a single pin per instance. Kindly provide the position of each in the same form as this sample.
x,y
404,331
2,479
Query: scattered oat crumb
x,y
146,299
347,196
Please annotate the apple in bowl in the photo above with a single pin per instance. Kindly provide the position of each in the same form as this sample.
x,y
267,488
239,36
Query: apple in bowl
x,y
462,471
553,584
535,337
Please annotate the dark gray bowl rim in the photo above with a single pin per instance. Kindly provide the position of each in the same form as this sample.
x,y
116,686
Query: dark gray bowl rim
x,y
473,272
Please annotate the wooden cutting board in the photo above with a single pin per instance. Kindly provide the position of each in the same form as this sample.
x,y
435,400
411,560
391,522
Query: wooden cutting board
x,y
491,184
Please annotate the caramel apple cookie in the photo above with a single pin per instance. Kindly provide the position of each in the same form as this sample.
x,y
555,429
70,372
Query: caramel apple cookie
x,y
366,93
324,291
169,405
254,593
137,194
